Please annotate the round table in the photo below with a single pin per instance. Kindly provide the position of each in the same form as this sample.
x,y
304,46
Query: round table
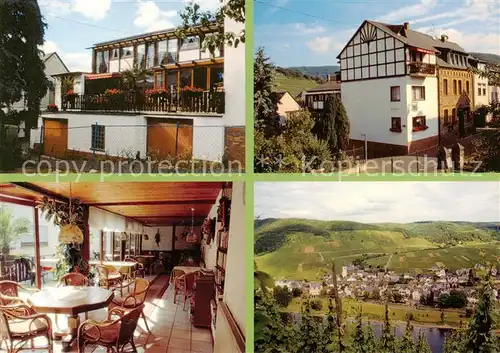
x,y
70,301
178,271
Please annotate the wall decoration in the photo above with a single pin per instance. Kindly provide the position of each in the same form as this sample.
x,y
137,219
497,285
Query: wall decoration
x,y
157,237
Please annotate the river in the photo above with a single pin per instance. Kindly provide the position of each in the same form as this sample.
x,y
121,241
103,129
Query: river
x,y
435,336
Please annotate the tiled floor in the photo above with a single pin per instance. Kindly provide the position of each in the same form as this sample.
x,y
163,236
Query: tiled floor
x,y
171,329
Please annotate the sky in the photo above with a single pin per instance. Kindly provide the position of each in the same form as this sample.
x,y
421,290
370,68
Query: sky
x,y
76,25
373,202
313,32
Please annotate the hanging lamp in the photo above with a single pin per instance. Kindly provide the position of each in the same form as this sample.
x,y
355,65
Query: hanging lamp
x,y
192,237
70,233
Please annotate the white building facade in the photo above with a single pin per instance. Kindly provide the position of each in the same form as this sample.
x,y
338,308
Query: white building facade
x,y
389,89
209,127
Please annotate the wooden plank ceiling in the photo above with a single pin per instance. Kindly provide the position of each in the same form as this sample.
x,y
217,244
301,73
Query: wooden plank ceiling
x,y
155,204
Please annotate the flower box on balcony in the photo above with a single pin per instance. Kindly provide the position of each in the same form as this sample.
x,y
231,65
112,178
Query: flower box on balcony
x,y
420,128
52,108
393,129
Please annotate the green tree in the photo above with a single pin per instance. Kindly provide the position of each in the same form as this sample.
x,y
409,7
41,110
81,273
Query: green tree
x,y
422,345
358,339
454,343
487,152
195,21
455,299
262,280
316,305
333,125
265,102
11,228
296,292
282,295
309,332
370,340
135,75
330,330
271,335
480,337
406,343
22,30
387,341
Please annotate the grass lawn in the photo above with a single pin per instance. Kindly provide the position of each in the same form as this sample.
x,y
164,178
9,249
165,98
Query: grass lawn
x,y
293,85
375,312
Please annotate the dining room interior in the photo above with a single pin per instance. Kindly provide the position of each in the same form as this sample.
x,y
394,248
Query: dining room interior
x,y
122,266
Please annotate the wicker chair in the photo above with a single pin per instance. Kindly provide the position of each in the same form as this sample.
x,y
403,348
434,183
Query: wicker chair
x,y
108,277
185,284
19,324
134,296
9,292
139,268
74,279
112,334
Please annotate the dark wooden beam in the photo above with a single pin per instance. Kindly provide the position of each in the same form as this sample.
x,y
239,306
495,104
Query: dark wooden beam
x,y
145,203
22,202
42,191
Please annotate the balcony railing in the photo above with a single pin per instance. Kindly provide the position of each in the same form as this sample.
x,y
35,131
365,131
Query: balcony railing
x,y
419,68
209,102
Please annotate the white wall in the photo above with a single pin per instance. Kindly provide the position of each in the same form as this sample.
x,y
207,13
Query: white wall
x,y
114,66
189,55
482,99
208,138
165,239
369,109
234,286
124,133
210,251
234,78
428,108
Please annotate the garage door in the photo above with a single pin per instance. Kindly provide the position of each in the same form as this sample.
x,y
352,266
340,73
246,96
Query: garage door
x,y
164,135
55,138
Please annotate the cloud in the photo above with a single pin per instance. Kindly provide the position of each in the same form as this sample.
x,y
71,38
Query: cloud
x,y
206,5
151,18
379,201
320,44
470,41
471,10
308,29
77,61
423,7
92,9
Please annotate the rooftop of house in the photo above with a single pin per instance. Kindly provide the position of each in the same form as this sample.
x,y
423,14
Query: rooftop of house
x,y
404,33
161,34
328,86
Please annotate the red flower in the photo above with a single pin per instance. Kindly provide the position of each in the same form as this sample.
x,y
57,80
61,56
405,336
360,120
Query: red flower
x,y
112,91
191,89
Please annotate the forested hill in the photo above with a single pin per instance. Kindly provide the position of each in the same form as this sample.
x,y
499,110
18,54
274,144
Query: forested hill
x,y
271,234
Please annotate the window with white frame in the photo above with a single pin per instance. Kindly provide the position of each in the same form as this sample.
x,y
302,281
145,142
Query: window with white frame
x,y
418,93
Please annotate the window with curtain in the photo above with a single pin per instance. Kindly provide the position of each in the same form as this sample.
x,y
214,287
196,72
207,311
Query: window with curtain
x,y
141,55
185,77
150,55
216,77
162,52
200,77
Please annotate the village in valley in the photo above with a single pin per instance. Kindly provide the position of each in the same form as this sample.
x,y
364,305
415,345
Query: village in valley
x,y
413,292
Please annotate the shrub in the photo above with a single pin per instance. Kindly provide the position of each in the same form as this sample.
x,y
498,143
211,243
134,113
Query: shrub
x,y
316,305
